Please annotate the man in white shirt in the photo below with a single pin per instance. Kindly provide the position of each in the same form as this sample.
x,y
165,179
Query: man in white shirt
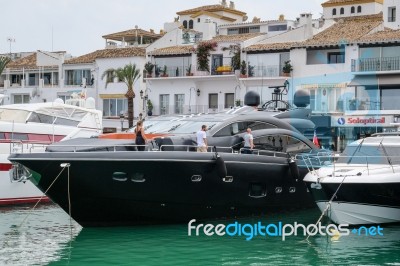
x,y
248,142
202,139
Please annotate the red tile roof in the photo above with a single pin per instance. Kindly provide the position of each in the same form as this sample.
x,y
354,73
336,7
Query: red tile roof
x,y
107,53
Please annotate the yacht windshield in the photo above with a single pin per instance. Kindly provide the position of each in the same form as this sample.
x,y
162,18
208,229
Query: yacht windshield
x,y
18,116
191,127
152,127
370,154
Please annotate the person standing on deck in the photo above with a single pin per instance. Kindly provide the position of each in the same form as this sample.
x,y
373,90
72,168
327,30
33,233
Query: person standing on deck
x,y
202,139
140,136
248,142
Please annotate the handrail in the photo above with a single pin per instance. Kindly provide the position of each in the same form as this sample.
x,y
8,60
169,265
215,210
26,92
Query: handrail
x,y
366,164
162,148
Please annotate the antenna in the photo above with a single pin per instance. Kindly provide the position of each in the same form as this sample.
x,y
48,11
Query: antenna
x,y
52,43
11,40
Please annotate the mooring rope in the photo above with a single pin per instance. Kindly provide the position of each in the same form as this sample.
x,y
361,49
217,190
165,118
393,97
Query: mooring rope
x,y
44,194
327,205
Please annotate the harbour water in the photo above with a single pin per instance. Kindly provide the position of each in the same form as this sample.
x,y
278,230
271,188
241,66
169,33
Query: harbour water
x,y
47,236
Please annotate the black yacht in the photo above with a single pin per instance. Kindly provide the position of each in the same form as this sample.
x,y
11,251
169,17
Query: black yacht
x,y
104,182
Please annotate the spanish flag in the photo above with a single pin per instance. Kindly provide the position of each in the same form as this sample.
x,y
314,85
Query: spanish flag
x,y
315,139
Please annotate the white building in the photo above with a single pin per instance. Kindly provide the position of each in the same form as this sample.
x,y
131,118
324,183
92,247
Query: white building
x,y
90,68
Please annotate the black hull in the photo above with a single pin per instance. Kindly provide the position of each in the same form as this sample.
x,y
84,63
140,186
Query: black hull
x,y
129,188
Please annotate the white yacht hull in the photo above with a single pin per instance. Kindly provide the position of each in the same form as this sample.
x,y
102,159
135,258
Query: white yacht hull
x,y
359,195
356,214
16,192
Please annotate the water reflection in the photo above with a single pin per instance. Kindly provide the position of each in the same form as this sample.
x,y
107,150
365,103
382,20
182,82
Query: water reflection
x,y
34,237
46,239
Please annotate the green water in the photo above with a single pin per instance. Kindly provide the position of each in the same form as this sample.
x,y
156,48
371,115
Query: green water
x,y
48,237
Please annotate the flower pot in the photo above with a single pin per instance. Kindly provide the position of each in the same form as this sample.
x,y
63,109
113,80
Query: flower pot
x,y
189,74
243,76
285,74
149,76
149,112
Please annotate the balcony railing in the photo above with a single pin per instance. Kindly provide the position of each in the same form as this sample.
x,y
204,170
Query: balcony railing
x,y
375,64
172,71
266,71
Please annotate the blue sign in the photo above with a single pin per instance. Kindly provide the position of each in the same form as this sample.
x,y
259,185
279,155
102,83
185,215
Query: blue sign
x,y
341,121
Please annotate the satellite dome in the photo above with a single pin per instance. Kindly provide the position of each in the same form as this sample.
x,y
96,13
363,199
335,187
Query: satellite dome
x,y
59,100
301,98
90,103
252,98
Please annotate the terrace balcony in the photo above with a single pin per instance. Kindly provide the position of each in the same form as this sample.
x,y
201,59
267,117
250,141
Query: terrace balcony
x,y
382,64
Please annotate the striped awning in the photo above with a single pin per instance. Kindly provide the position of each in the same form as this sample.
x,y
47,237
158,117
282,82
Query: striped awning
x,y
112,96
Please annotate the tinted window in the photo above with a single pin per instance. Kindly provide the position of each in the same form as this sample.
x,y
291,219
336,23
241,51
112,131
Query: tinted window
x,y
281,143
18,136
240,127
66,122
41,118
369,155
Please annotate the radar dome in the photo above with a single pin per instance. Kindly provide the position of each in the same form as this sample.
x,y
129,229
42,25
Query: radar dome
x,y
301,98
59,100
90,103
252,98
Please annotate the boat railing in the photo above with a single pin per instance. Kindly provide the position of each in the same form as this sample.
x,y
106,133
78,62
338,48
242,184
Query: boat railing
x,y
152,148
265,152
23,146
194,148
363,164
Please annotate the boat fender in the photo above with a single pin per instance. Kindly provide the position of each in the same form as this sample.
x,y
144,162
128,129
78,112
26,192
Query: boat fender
x,y
294,170
220,164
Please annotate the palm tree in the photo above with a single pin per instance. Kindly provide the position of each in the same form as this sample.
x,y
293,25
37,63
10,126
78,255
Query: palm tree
x,y
3,63
128,74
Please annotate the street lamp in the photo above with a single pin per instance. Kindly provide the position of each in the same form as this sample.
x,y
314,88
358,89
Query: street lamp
x,y
286,85
144,98
122,119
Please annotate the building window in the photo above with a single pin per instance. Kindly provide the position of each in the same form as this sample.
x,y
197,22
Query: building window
x,y
179,100
21,98
114,107
352,10
185,24
359,9
64,97
244,30
277,27
334,12
341,11
229,100
392,14
198,20
75,77
164,104
254,29
191,24
213,100
233,31
335,58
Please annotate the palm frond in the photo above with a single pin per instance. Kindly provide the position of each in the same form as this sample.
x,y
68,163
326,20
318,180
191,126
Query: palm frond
x,y
109,74
3,63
